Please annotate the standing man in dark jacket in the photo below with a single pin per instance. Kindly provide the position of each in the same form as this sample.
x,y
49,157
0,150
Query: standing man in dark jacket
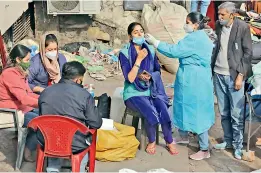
x,y
69,98
231,65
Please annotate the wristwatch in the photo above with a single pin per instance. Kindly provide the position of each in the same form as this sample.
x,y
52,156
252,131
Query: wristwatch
x,y
137,66
240,74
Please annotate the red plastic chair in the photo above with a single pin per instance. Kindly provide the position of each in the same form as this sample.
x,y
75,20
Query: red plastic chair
x,y
58,132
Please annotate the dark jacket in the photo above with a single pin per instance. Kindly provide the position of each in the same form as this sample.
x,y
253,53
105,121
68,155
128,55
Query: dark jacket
x,y
38,76
69,99
239,59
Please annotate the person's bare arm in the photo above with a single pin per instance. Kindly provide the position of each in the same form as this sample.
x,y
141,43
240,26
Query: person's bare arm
x,y
134,71
38,89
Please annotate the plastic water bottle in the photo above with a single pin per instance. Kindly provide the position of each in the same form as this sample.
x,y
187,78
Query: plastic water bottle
x,y
91,90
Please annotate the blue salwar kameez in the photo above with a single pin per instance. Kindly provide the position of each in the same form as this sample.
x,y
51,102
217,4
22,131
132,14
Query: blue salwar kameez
x,y
148,98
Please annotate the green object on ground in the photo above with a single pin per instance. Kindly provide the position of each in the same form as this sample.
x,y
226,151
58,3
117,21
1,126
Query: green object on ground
x,y
81,59
94,69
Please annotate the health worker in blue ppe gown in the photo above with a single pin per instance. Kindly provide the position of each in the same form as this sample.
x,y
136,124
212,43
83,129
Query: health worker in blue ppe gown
x,y
193,98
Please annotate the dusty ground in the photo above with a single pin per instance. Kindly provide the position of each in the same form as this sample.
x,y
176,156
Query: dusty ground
x,y
220,161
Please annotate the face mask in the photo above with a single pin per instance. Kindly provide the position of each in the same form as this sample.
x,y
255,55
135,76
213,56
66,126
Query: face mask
x,y
188,28
223,22
52,55
24,65
138,40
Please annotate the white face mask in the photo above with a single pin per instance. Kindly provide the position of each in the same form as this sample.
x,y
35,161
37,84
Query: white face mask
x,y
188,28
52,55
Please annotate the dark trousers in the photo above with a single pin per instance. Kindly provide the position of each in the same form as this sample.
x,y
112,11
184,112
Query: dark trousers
x,y
31,141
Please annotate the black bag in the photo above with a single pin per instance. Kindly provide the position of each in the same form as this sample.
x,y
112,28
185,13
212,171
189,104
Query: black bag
x,y
104,105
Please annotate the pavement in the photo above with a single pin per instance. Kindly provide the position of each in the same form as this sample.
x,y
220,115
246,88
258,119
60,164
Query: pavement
x,y
144,162
220,161
141,163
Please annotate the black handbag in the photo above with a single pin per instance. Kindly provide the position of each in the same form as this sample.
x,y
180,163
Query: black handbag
x,y
104,105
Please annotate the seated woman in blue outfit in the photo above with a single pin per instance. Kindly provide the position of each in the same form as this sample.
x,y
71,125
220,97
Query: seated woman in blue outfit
x,y
143,88
45,67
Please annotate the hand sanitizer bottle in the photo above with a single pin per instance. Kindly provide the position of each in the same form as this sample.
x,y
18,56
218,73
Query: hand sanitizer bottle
x,y
91,90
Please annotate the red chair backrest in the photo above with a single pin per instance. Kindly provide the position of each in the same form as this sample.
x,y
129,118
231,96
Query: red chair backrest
x,y
58,132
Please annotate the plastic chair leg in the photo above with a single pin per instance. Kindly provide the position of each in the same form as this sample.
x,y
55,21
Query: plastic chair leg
x,y
92,154
22,134
40,159
249,132
124,117
143,135
244,122
77,159
76,163
135,123
157,135
92,161
16,121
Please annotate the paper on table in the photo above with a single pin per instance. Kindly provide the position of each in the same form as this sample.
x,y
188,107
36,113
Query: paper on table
x,y
107,124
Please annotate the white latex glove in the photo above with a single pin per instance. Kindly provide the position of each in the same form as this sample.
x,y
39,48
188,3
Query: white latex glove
x,y
152,40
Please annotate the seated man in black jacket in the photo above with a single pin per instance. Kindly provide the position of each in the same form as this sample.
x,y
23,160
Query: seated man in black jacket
x,y
69,98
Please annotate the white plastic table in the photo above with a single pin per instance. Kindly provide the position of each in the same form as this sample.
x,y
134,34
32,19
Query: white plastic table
x,y
117,105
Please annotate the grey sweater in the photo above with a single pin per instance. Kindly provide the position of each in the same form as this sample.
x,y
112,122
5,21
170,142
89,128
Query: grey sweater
x,y
221,66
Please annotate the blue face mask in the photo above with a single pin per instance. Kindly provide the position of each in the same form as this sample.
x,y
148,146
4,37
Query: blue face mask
x,y
138,40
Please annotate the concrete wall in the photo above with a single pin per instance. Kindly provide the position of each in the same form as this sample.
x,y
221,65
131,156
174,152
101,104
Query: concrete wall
x,y
64,26
111,22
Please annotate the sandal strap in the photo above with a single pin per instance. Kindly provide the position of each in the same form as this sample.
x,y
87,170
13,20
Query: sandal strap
x,y
151,149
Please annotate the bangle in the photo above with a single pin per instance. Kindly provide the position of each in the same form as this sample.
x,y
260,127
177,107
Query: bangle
x,y
137,66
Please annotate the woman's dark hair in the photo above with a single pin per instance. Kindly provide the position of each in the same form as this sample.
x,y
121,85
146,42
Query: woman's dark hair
x,y
132,26
72,70
196,17
19,51
49,39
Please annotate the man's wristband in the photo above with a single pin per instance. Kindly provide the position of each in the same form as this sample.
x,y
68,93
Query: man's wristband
x,y
137,66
